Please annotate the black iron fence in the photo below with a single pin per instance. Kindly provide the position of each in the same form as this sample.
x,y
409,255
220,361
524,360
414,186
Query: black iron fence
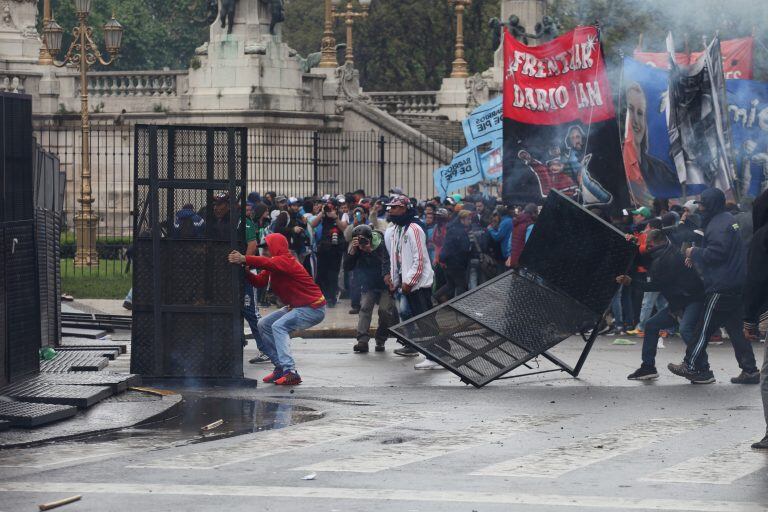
x,y
291,162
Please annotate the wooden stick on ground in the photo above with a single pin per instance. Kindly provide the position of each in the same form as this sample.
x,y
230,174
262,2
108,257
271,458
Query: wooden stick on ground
x,y
211,426
59,503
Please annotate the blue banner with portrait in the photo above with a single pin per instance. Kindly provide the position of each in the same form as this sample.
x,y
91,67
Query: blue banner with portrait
x,y
647,146
465,169
484,124
748,113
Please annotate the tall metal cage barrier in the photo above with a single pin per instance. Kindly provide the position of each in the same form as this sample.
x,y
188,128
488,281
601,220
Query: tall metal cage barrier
x,y
190,186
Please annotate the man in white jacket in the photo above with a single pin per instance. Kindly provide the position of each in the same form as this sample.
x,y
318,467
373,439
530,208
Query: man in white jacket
x,y
411,270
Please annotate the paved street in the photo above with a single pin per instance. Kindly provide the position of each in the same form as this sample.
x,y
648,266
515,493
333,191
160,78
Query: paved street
x,y
392,439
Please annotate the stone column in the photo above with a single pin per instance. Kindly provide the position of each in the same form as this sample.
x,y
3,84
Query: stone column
x,y
248,69
19,40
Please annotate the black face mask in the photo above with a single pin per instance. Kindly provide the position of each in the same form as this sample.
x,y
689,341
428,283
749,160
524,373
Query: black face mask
x,y
401,220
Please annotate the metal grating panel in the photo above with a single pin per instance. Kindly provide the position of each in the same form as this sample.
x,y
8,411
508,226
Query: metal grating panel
x,y
22,300
3,325
74,361
566,284
110,353
61,394
119,382
493,329
577,252
16,158
186,297
29,415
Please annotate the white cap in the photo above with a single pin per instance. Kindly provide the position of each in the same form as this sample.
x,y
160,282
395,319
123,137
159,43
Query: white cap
x,y
691,206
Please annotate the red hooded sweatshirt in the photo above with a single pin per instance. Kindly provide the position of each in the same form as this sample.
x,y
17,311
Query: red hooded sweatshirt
x,y
290,280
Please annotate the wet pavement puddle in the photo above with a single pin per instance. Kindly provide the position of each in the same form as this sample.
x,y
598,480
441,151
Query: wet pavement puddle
x,y
239,416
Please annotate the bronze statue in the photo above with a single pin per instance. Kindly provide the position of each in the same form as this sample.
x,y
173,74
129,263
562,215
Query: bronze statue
x,y
547,30
277,12
227,14
517,30
513,25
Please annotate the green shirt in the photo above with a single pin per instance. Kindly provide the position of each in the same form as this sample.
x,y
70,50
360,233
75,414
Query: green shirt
x,y
251,233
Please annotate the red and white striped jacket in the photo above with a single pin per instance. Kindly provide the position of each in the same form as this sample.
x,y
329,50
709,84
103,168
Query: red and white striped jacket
x,y
409,259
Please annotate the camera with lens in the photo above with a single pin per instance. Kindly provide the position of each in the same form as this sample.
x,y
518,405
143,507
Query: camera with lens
x,y
363,242
328,208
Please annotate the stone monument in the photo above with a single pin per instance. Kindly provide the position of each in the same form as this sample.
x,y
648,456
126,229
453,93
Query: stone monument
x,y
244,67
19,40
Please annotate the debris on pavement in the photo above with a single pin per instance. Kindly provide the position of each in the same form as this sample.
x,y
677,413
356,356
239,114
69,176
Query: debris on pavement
x,y
59,503
211,426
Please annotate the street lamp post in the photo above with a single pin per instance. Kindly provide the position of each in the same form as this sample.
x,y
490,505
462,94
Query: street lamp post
x,y
349,17
84,53
45,56
328,45
460,69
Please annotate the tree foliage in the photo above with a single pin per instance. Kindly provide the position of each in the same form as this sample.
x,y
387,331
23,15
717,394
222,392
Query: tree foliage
x,y
409,44
158,33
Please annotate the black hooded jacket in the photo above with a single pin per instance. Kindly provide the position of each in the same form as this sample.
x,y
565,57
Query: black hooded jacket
x,y
756,285
668,274
721,260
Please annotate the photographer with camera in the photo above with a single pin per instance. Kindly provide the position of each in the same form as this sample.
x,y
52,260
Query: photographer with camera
x,y
330,250
369,260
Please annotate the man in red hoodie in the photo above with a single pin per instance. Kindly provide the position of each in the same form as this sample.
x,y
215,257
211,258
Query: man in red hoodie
x,y
305,304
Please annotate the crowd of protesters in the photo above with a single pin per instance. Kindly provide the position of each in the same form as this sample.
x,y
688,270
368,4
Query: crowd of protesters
x,y
701,266
395,252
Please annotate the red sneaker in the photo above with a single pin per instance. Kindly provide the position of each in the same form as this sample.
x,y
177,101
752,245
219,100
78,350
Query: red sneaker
x,y
272,377
289,378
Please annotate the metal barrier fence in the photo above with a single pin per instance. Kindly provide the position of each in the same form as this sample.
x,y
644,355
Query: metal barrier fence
x,y
290,162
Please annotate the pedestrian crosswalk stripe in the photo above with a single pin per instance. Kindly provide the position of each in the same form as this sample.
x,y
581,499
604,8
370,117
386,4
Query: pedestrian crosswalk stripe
x,y
435,444
558,461
275,442
723,466
531,501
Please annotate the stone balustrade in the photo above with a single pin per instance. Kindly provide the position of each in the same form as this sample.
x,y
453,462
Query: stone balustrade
x,y
406,103
12,82
128,84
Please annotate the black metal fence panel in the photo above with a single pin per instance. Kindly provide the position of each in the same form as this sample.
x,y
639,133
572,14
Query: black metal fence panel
x,y
291,162
16,185
47,236
22,299
187,299
496,328
501,325
577,252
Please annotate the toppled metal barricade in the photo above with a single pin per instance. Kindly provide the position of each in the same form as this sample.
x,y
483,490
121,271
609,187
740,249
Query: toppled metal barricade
x,y
564,286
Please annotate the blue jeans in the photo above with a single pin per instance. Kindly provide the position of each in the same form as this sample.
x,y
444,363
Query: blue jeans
x,y
275,330
251,313
650,300
665,320
621,308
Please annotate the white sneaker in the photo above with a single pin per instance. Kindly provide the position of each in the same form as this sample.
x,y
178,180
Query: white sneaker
x,y
660,344
427,365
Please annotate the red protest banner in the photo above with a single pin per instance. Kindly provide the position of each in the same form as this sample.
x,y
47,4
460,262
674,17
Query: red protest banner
x,y
557,82
737,58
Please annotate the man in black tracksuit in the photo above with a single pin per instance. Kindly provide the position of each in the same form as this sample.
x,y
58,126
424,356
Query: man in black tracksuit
x,y
683,289
756,294
721,262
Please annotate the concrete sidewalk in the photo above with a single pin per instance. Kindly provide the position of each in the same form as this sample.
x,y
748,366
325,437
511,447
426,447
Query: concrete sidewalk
x,y
338,323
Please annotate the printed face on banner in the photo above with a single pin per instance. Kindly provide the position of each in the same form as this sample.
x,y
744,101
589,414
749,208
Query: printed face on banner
x,y
649,167
559,122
